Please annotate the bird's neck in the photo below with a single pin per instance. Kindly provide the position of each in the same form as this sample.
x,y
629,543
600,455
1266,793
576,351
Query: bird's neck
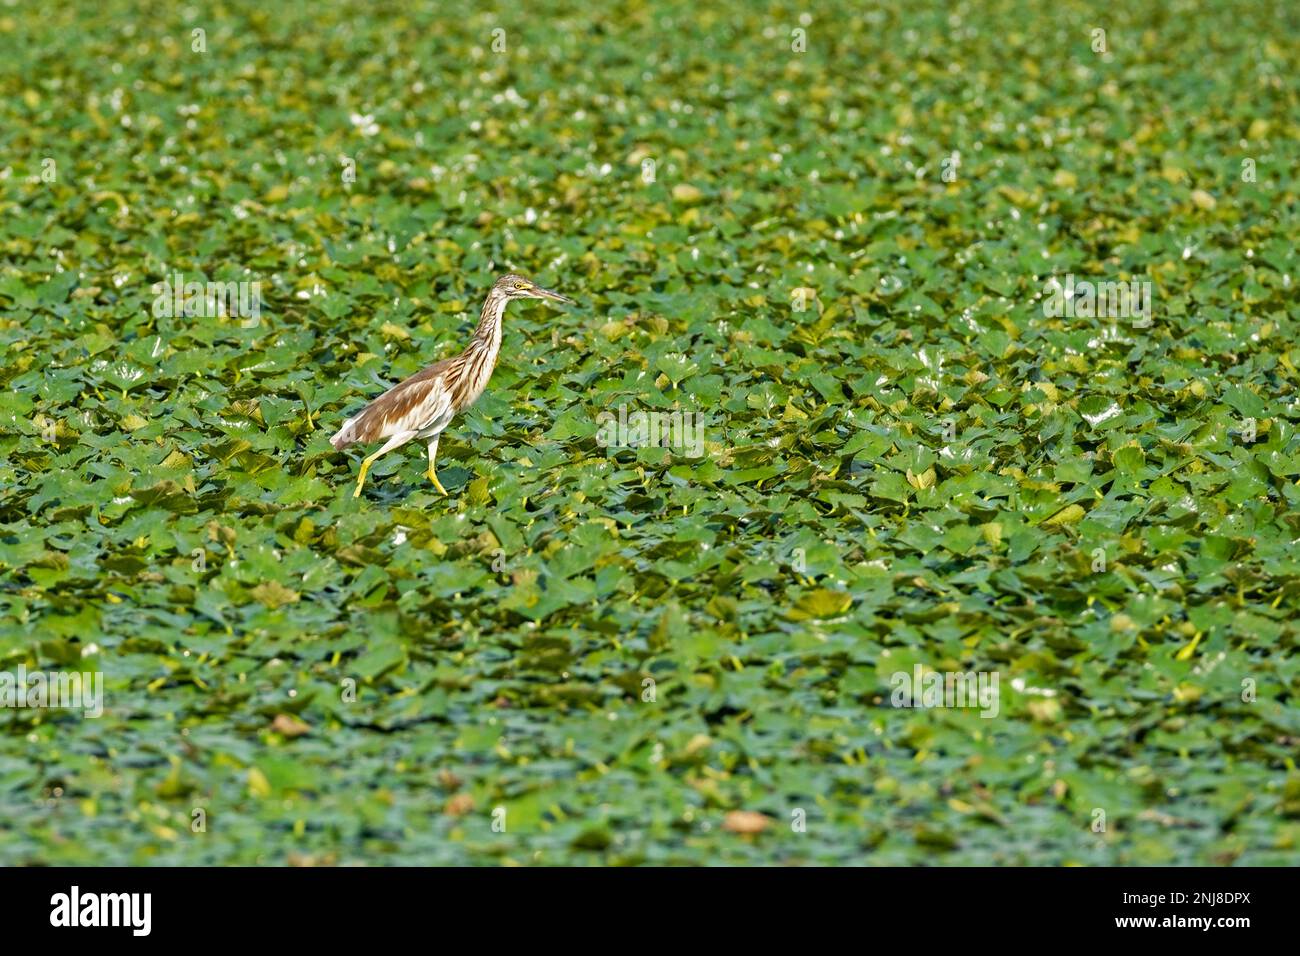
x,y
487,336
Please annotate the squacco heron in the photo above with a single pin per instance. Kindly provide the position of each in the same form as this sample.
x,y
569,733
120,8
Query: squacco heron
x,y
424,405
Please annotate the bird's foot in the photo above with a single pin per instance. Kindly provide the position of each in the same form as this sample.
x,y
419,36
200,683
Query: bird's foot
x,y
433,476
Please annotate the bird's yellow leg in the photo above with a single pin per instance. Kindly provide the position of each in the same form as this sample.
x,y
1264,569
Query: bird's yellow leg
x,y
361,476
433,475
397,441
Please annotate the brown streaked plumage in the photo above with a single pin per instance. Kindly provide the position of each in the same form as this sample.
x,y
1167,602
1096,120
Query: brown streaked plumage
x,y
423,405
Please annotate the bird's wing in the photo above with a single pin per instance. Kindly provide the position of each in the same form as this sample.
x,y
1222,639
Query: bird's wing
x,y
411,405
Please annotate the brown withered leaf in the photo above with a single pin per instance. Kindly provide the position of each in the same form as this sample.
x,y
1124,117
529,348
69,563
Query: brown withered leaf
x,y
459,805
746,821
289,726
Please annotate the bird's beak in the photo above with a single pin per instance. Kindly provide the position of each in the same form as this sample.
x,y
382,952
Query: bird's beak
x,y
548,294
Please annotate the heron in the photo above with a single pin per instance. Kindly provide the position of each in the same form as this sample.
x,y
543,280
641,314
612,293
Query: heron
x,y
423,405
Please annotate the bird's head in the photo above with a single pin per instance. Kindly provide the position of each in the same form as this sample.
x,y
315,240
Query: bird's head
x,y
517,287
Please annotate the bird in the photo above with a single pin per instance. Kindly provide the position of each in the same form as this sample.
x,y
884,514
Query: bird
x,y
423,405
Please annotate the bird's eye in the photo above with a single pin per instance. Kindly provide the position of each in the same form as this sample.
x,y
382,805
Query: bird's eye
x,y
520,285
